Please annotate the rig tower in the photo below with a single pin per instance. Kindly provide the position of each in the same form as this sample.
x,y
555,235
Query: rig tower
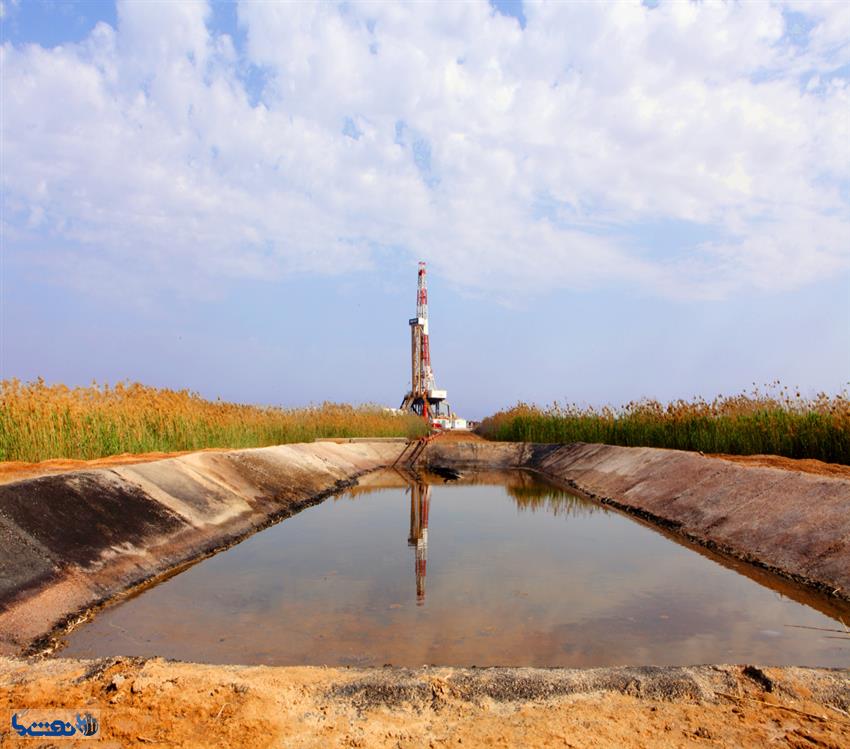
x,y
420,501
423,398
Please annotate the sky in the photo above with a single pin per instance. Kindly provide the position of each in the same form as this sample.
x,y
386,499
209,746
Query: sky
x,y
615,200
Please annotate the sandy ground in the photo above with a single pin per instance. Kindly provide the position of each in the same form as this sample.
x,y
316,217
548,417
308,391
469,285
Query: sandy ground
x,y
460,436
806,465
156,703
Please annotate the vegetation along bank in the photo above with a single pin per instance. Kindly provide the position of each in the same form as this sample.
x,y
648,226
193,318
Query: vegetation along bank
x,y
40,421
779,422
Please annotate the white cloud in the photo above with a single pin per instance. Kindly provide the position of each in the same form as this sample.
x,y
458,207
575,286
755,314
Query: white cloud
x,y
513,158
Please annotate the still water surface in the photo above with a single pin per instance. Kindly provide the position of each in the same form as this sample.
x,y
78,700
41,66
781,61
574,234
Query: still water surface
x,y
516,573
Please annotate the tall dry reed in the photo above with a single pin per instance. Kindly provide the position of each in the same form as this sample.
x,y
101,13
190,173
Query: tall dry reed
x,y
774,421
39,421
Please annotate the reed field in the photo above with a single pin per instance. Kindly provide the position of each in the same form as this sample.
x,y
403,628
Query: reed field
x,y
40,421
776,421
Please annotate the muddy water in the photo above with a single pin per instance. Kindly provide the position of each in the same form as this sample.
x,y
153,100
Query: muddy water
x,y
512,573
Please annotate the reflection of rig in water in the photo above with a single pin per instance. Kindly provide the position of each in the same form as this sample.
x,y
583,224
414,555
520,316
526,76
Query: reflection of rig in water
x,y
526,490
420,499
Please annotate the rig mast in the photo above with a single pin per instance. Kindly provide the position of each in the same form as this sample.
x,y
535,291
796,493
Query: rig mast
x,y
424,399
420,501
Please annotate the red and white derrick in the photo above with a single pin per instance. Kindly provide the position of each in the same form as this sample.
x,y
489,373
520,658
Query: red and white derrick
x,y
424,399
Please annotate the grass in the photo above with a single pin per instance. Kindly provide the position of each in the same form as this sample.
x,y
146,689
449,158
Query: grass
x,y
774,422
40,421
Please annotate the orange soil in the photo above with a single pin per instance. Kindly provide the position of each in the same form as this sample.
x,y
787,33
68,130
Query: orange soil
x,y
168,704
806,465
460,437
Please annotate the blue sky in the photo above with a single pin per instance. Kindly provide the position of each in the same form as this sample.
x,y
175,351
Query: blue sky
x,y
615,202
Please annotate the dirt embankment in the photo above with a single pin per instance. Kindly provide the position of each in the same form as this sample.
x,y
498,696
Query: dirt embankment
x,y
15,470
69,541
164,704
792,522
18,470
72,540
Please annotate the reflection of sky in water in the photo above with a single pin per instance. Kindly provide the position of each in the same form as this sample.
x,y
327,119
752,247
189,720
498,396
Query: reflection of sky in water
x,y
518,575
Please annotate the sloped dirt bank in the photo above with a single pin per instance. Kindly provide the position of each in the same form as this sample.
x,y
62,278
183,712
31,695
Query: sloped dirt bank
x,y
165,704
72,540
793,523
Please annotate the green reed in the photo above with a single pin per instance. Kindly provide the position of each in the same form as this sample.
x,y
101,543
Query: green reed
x,y
775,422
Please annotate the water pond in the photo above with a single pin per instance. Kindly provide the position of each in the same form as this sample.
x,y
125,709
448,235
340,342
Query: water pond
x,y
493,569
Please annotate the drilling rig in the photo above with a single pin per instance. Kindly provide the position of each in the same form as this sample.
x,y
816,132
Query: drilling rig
x,y
424,399
420,501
